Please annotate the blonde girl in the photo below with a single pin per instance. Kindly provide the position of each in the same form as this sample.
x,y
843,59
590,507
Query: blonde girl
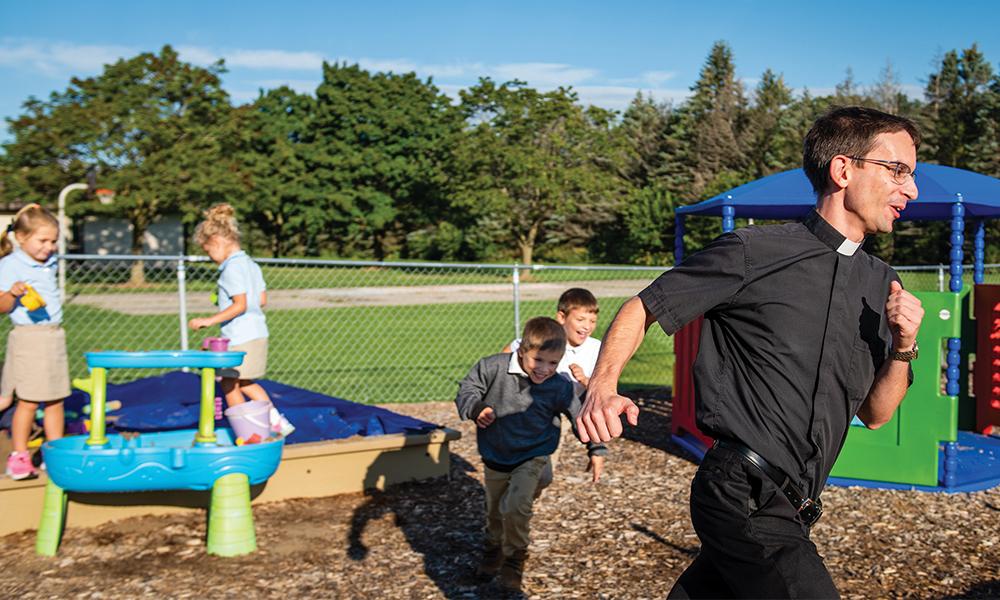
x,y
242,295
35,366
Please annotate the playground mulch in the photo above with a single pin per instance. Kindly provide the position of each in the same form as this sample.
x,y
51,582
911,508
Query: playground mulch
x,y
627,537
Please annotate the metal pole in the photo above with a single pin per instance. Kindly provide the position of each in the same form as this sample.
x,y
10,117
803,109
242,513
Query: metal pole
x,y
62,234
182,296
517,302
940,278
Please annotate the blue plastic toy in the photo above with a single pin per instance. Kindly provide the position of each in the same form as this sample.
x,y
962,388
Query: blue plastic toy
x,y
189,459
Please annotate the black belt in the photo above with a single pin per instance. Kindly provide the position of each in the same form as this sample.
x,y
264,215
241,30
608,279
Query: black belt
x,y
809,510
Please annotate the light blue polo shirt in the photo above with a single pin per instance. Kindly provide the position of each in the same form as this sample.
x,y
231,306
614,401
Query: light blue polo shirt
x,y
239,274
18,266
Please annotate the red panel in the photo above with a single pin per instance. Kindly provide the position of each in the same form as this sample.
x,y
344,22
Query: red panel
x,y
685,350
986,377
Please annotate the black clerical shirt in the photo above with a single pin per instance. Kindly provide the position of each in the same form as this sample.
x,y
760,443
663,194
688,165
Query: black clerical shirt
x,y
794,333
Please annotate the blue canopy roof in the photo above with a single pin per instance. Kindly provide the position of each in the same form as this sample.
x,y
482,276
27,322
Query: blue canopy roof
x,y
789,195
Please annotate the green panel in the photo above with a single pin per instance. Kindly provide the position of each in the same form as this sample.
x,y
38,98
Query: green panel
x,y
905,450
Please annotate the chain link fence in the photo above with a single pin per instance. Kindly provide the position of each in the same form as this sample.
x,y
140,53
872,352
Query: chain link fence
x,y
371,332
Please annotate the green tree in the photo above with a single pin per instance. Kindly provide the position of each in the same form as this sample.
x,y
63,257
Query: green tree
x,y
772,144
379,150
282,198
159,130
533,166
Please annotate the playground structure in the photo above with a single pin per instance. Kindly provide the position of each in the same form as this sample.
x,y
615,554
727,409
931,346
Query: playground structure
x,y
938,440
195,459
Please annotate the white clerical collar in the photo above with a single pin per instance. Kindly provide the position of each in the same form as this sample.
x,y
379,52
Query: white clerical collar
x,y
848,248
515,366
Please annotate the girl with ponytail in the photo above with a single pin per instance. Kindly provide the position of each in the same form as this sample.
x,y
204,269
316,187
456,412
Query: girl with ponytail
x,y
35,367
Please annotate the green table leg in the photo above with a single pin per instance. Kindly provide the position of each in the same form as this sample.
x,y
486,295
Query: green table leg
x,y
206,415
53,521
98,396
230,520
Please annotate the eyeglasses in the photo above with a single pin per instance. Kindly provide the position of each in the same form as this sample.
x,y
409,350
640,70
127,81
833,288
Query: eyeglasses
x,y
901,172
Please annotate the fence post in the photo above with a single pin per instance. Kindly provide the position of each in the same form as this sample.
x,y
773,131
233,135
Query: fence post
x,y
517,301
940,278
182,296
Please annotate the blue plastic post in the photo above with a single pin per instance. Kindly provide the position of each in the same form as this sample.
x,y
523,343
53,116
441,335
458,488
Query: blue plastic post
x,y
678,238
957,239
953,371
950,476
979,253
728,216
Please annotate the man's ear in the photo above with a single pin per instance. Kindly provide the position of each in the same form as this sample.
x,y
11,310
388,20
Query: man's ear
x,y
840,172
560,317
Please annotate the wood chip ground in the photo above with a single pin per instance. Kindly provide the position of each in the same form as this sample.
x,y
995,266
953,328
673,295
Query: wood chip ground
x,y
627,537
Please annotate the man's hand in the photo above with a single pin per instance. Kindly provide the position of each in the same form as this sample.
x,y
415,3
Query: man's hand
x,y
486,418
599,419
596,467
904,313
578,374
199,322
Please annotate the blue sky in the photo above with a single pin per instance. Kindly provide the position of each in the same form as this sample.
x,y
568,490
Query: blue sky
x,y
606,50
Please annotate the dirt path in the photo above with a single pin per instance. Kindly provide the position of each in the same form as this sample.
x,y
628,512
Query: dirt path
x,y
296,299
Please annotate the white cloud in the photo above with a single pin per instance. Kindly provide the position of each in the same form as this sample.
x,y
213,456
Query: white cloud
x,y
58,58
658,78
542,74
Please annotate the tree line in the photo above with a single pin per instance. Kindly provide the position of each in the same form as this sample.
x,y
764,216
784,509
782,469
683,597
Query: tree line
x,y
385,166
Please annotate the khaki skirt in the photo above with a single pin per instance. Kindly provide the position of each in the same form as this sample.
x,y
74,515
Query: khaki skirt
x,y
254,363
36,368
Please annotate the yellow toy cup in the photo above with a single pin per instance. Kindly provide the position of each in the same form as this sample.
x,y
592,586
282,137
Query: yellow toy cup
x,y
31,299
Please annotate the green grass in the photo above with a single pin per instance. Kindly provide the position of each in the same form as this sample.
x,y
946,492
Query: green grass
x,y
201,277
363,354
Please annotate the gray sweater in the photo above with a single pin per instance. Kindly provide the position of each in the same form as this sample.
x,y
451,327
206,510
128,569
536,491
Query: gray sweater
x,y
527,414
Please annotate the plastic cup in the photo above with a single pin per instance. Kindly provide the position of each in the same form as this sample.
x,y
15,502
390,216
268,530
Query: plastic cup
x,y
31,300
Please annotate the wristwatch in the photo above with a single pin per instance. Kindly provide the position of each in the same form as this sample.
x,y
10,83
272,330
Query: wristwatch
x,y
904,356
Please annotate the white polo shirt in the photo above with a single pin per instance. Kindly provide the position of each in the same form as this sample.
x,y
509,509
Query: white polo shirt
x,y
584,355
238,274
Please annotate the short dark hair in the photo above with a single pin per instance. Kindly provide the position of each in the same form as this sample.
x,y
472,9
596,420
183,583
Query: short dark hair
x,y
543,333
577,298
850,131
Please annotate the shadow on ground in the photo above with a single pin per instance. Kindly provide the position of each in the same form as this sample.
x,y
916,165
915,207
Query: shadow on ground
x,y
442,521
655,407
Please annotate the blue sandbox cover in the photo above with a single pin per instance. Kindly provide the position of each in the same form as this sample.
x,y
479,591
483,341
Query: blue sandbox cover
x,y
170,401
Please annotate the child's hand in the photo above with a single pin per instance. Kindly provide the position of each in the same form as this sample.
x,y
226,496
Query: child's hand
x,y
18,289
198,323
486,418
578,374
596,467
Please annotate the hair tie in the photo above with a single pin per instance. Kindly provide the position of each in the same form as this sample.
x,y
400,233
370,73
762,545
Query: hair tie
x,y
10,227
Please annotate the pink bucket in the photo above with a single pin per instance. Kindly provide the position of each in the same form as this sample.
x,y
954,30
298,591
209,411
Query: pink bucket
x,y
215,344
249,418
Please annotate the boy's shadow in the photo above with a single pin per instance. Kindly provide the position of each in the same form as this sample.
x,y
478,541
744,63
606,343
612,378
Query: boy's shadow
x,y
442,520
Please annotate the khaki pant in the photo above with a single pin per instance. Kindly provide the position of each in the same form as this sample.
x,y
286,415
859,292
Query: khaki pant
x,y
509,502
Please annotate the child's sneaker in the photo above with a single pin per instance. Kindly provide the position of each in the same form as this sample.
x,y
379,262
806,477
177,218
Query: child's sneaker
x,y
279,424
19,466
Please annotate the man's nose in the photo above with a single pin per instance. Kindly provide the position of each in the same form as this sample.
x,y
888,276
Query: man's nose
x,y
910,189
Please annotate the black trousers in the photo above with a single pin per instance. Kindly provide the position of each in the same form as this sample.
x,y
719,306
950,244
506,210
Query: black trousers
x,y
752,544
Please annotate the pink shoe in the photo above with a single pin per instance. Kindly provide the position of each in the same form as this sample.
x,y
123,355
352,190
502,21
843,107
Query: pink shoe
x,y
19,466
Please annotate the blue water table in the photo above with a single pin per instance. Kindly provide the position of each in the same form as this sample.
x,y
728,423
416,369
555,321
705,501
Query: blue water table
x,y
190,459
